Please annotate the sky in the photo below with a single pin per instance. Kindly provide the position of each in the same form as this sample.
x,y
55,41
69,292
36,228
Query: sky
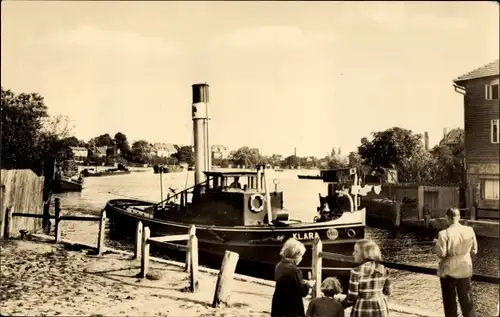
x,y
282,75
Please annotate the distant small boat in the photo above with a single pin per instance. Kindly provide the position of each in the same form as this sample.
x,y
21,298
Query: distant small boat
x,y
160,169
120,170
64,184
309,177
278,170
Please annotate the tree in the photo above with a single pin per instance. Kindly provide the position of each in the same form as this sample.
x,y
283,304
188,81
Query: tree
x,y
354,160
291,161
122,144
448,161
392,148
184,154
141,151
336,160
23,117
246,157
104,140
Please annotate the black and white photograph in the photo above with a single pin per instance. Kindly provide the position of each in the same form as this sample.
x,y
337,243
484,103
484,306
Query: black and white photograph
x,y
250,158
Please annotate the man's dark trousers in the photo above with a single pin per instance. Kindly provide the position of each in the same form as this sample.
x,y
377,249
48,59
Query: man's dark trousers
x,y
450,288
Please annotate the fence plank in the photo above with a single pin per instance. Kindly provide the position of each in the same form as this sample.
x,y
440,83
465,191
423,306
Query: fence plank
x,y
225,278
193,273
57,219
102,229
8,223
145,252
317,267
80,218
138,240
179,237
192,232
22,190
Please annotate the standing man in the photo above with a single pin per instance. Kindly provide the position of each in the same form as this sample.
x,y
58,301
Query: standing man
x,y
454,246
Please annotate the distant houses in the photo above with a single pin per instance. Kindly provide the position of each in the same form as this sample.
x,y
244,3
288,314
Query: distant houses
x,y
219,152
163,149
79,153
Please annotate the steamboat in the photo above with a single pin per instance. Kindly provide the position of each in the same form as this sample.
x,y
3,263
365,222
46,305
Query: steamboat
x,y
237,210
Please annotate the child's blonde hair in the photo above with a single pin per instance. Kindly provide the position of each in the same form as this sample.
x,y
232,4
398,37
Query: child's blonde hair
x,y
292,249
369,250
331,286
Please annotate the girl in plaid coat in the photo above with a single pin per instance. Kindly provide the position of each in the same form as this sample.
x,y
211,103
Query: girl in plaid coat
x,y
368,282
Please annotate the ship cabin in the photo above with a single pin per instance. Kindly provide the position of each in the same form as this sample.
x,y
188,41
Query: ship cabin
x,y
228,199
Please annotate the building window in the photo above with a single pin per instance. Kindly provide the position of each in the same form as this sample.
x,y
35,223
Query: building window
x,y
492,92
491,189
495,131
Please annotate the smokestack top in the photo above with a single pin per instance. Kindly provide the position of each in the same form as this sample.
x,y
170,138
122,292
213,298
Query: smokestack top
x,y
200,93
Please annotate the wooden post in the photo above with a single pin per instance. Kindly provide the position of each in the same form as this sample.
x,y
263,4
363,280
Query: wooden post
x,y
57,212
8,222
138,240
145,252
192,232
317,267
48,173
397,216
223,286
420,204
193,273
102,231
2,223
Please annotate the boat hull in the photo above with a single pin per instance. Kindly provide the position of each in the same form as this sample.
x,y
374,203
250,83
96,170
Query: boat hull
x,y
258,246
309,177
62,186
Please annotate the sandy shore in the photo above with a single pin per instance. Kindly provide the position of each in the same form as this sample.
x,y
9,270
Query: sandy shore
x,y
44,279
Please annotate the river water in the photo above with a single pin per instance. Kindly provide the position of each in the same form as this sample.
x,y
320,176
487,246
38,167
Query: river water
x,y
301,199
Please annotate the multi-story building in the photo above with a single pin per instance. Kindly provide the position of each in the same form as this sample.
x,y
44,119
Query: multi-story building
x,y
79,153
163,149
480,88
219,152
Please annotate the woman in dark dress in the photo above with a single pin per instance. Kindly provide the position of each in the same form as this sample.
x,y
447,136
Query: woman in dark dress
x,y
290,287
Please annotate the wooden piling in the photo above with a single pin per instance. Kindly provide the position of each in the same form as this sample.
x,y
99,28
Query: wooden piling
x,y
397,214
102,231
193,273
317,267
192,232
138,240
8,222
57,213
145,252
225,278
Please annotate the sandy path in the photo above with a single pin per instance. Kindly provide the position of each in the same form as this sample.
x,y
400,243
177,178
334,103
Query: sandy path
x,y
43,279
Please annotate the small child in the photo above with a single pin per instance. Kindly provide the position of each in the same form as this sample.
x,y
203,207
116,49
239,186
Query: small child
x,y
327,306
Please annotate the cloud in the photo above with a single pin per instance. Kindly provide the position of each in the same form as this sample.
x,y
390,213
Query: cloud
x,y
290,37
115,41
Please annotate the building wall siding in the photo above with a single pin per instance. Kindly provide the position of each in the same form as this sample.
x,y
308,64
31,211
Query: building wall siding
x,y
482,156
478,115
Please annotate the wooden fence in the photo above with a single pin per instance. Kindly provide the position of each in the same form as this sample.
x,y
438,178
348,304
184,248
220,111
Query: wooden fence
x,y
191,251
10,217
21,190
317,264
142,245
226,273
